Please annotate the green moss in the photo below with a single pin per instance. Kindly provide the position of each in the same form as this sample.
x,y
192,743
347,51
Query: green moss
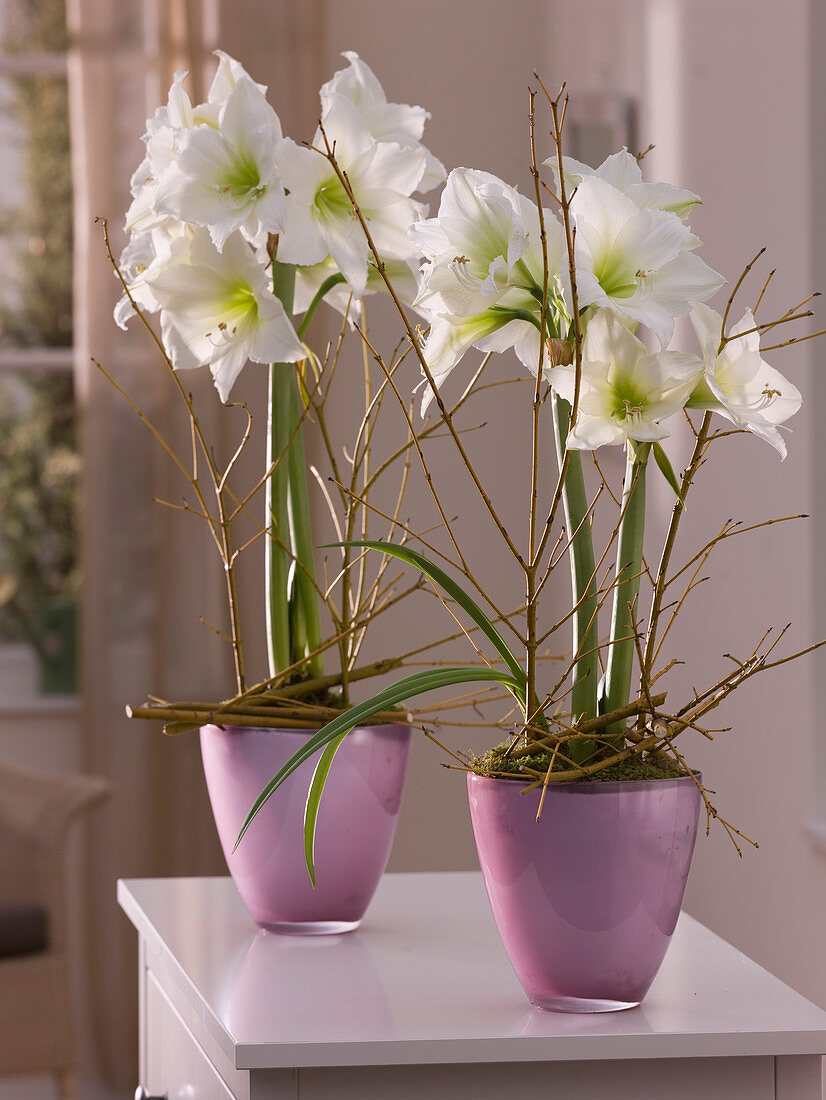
x,y
635,767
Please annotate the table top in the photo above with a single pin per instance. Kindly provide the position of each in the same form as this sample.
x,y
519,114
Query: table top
x,y
426,980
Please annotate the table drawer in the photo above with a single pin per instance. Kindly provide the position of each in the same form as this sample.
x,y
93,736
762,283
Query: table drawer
x,y
176,1066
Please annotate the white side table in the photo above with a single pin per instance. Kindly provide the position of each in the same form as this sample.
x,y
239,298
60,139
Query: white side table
x,y
421,1003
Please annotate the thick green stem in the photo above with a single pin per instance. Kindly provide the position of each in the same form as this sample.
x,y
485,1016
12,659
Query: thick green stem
x,y
307,637
292,612
585,672
277,561
616,685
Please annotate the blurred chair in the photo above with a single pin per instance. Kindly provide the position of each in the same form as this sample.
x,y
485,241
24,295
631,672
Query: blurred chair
x,y
36,1019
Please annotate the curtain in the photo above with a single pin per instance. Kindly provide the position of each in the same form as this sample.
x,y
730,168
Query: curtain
x,y
148,574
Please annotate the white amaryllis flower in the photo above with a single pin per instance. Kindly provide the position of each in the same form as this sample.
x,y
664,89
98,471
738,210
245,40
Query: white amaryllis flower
x,y
622,170
482,245
163,138
483,276
319,218
226,178
738,383
636,262
217,308
625,392
396,122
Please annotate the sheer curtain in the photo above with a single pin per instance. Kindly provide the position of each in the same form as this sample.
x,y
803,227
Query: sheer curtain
x,y
148,574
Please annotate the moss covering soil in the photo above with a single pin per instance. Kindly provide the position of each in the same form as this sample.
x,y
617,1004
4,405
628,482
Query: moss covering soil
x,y
496,763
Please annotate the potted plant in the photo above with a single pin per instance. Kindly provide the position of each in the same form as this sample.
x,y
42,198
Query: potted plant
x,y
585,817
236,233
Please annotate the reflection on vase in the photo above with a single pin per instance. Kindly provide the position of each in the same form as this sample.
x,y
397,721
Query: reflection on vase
x,y
282,981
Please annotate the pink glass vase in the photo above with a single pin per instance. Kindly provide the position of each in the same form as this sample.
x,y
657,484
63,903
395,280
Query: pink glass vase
x,y
586,899
354,833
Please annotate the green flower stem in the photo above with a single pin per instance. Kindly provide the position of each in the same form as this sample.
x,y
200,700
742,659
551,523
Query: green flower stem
x,y
293,624
307,635
585,672
277,561
616,685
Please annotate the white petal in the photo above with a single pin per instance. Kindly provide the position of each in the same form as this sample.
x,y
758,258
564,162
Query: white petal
x,y
708,324
447,342
664,196
347,245
592,432
247,121
685,280
602,208
621,170
302,170
227,76
301,241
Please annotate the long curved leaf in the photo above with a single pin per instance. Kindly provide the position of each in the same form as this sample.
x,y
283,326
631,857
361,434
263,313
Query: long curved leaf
x,y
406,688
469,606
322,769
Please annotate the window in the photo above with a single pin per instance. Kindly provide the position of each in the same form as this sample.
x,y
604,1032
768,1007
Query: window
x,y
39,462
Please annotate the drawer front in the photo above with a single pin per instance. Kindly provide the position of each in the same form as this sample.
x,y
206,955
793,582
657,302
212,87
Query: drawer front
x,y
176,1066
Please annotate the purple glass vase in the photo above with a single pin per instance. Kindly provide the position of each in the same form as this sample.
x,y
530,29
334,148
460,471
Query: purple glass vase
x,y
586,899
354,832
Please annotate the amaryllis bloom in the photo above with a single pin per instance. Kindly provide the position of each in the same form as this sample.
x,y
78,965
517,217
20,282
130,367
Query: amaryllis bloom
x,y
625,392
738,383
217,308
320,221
226,178
622,170
396,122
163,137
483,275
636,262
483,244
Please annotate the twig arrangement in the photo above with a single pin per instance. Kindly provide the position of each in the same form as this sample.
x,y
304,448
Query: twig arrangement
x,y
567,286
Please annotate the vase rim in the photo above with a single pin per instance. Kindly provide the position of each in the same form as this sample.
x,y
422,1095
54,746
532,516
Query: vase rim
x,y
308,732
585,786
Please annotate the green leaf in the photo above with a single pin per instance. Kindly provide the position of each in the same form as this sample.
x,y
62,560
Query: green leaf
x,y
323,290
667,470
515,314
469,606
313,800
406,688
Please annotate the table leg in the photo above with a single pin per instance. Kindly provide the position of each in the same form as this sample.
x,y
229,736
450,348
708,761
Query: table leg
x,y
798,1077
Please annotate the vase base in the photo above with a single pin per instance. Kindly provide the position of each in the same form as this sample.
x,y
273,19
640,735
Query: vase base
x,y
581,1004
310,927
